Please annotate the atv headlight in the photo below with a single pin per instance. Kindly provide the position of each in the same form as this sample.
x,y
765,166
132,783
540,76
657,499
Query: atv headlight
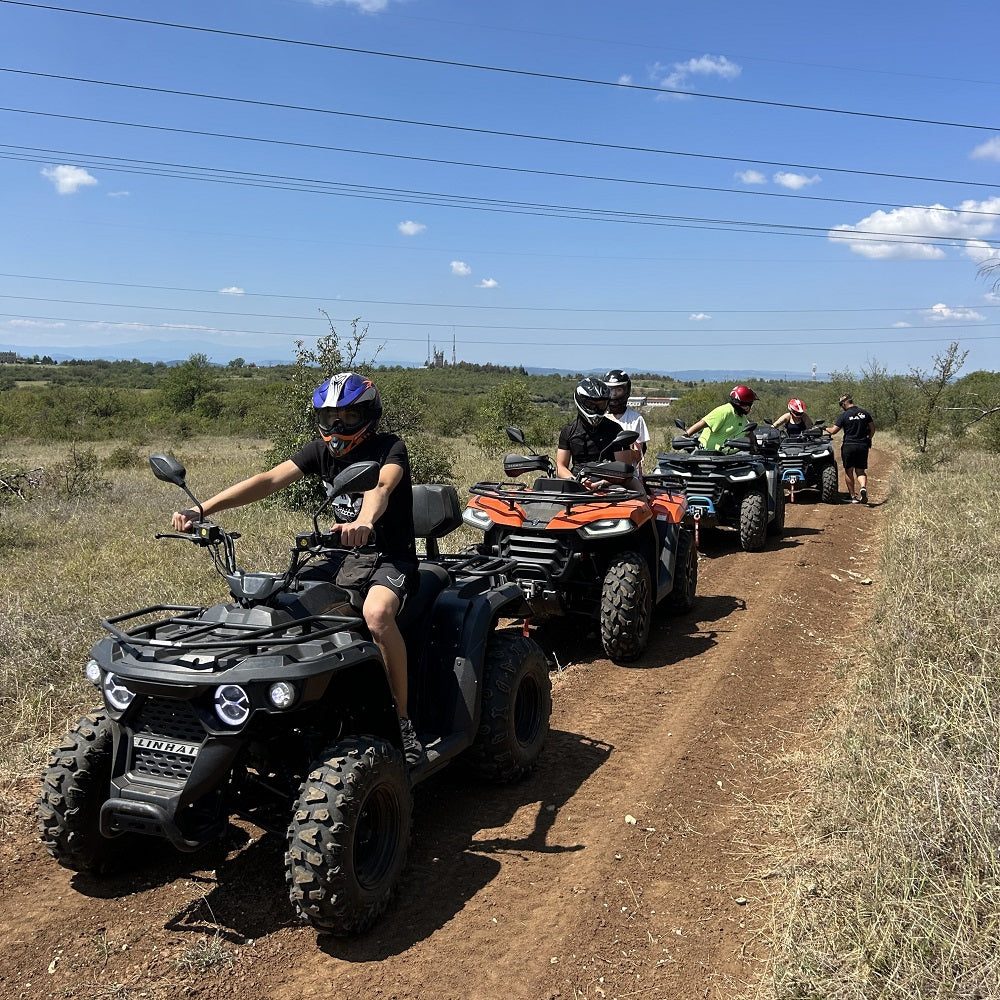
x,y
282,694
116,694
742,477
477,518
92,671
232,704
823,453
607,526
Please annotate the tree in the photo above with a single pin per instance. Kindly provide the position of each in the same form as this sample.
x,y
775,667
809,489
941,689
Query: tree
x,y
931,387
185,384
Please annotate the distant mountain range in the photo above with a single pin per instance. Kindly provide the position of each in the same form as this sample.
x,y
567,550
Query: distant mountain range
x,y
173,352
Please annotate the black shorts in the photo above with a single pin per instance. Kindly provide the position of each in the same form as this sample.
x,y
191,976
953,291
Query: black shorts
x,y
854,455
399,576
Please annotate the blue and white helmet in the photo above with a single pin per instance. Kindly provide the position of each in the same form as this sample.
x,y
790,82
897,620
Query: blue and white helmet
x,y
348,409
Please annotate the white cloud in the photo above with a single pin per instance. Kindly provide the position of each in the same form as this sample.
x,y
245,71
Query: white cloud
x,y
411,228
680,74
119,194
989,150
901,325
980,252
32,323
794,182
67,179
460,268
942,313
625,79
488,283
750,177
368,6
232,290
914,231
699,317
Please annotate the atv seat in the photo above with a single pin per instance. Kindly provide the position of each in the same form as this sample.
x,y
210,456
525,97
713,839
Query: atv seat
x,y
436,513
432,578
551,484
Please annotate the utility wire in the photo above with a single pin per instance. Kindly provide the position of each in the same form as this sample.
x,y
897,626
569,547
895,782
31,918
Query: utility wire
x,y
276,105
453,63
481,166
450,305
446,199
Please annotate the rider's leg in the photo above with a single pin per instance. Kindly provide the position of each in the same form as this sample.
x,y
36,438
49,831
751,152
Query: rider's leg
x,y
380,609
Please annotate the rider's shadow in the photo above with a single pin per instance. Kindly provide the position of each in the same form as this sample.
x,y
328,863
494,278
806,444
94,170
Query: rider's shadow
x,y
457,851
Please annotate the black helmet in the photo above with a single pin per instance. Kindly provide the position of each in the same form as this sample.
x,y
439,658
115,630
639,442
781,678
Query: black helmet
x,y
592,398
621,388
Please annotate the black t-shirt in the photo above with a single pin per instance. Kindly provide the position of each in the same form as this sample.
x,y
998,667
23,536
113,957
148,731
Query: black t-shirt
x,y
589,442
394,535
854,423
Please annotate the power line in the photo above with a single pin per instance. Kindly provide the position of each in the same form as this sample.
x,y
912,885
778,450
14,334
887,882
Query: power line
x,y
490,166
426,305
277,105
534,74
281,182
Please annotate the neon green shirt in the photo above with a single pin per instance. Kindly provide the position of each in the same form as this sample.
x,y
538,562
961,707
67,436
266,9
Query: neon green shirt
x,y
723,422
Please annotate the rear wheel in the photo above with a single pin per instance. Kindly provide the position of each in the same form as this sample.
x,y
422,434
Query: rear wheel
x,y
829,484
74,787
777,524
682,597
753,522
517,703
626,607
349,835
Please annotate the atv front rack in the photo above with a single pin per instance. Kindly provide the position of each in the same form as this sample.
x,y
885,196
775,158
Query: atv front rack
x,y
185,630
513,494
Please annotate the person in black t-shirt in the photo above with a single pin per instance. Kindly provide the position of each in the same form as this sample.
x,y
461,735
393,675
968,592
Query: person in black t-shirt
x,y
348,408
859,429
588,438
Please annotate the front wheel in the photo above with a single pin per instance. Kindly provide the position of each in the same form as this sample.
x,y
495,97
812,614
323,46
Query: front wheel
x,y
74,787
753,522
516,706
626,607
349,835
829,485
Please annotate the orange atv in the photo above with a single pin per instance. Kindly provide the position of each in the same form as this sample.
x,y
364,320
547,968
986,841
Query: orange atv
x,y
610,555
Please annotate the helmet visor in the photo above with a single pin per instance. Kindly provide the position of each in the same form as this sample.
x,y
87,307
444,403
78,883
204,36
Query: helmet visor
x,y
594,407
339,419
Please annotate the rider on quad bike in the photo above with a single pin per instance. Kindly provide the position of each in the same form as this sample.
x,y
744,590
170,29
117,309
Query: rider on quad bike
x,y
347,409
725,421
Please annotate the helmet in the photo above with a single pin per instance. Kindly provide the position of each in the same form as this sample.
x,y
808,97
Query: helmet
x,y
348,408
621,388
796,407
742,397
592,398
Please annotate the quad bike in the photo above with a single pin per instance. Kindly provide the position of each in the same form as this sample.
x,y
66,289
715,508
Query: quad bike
x,y
739,488
611,555
275,707
807,462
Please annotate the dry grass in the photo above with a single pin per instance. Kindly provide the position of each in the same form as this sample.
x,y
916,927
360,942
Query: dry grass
x,y
894,890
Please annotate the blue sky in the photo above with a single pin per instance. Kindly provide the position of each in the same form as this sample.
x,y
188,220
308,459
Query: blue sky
x,y
568,183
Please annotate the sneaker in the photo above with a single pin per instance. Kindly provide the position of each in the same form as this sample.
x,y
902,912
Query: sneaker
x,y
863,495
855,500
412,747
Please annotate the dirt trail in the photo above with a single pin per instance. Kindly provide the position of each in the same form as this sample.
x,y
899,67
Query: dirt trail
x,y
540,890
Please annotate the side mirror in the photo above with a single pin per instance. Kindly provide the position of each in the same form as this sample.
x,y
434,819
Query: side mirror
x,y
680,423
625,439
516,435
167,469
750,428
768,420
358,478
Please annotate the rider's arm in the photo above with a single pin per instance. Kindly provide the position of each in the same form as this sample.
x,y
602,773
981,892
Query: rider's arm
x,y
563,459
696,427
255,488
782,420
373,506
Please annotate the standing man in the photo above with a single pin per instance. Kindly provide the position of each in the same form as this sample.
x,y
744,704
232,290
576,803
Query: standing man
x,y
347,410
631,420
859,429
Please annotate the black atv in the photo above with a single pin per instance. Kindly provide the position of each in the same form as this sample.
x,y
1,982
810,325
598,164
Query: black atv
x,y
738,488
807,462
275,707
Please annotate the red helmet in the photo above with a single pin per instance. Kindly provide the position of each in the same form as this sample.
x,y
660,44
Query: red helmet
x,y
742,397
797,407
